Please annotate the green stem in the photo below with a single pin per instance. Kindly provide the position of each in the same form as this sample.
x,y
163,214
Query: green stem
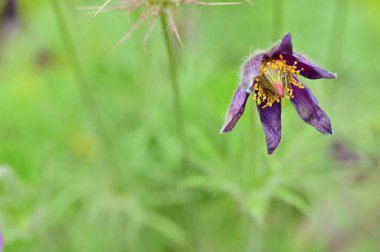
x,y
337,42
255,234
84,89
188,210
277,18
338,32
175,86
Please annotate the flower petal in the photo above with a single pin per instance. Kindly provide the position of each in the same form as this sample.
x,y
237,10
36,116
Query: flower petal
x,y
308,109
285,46
251,69
271,120
236,110
310,70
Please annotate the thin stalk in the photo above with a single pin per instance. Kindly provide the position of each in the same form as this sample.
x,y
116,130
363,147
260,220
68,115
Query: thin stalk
x,y
336,46
335,49
338,32
175,87
84,90
253,228
255,234
277,18
189,218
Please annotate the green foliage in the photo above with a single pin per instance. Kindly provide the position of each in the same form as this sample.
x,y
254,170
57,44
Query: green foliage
x,y
66,187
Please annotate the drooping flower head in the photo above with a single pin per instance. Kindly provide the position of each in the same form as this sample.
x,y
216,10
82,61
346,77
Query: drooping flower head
x,y
272,77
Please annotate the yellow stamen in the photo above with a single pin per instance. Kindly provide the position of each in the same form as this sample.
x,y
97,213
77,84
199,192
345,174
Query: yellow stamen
x,y
275,81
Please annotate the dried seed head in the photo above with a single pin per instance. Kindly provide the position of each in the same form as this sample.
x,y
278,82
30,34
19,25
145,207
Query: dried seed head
x,y
149,11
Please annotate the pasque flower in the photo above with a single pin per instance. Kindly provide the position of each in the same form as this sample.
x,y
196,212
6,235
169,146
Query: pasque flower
x,y
271,77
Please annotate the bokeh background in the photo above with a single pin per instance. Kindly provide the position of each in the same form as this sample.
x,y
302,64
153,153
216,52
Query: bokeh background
x,y
91,157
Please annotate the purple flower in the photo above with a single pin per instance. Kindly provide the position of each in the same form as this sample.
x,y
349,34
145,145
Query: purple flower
x,y
272,77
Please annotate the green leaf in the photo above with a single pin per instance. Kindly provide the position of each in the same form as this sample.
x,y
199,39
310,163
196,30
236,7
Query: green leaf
x,y
291,198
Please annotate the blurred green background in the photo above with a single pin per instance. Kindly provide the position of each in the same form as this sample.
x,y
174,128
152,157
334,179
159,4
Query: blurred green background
x,y
90,158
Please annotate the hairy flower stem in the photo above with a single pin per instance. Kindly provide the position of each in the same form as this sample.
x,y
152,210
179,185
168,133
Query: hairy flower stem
x,y
338,32
336,44
277,18
84,89
187,210
175,88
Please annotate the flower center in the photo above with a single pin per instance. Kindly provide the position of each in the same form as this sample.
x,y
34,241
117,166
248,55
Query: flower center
x,y
275,82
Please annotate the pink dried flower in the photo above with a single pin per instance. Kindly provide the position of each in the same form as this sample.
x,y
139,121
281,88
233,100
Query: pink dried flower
x,y
149,10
